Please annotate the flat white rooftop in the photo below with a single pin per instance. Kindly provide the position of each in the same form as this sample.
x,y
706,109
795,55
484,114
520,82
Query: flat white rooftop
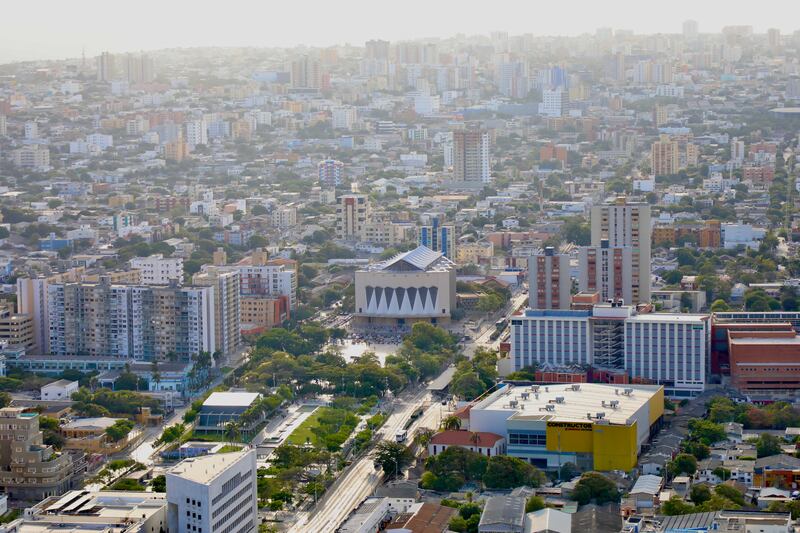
x,y
669,317
230,399
205,469
570,402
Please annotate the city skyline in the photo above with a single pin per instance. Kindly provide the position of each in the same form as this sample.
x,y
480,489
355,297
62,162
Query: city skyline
x,y
178,27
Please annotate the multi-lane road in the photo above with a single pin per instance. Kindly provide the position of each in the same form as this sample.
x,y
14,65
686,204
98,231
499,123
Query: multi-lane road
x,y
361,479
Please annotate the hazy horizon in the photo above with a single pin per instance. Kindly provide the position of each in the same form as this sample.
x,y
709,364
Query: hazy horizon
x,y
58,30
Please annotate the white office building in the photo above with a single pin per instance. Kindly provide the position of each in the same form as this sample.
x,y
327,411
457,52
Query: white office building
x,y
663,348
213,494
550,336
157,269
668,349
344,117
554,102
101,140
735,235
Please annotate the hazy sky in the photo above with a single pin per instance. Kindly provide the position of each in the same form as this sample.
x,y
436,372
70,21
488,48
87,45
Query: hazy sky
x,y
52,29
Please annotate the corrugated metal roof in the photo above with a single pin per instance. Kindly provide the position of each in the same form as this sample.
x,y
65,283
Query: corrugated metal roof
x,y
647,484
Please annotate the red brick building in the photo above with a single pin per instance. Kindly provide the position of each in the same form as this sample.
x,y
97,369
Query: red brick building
x,y
762,361
720,357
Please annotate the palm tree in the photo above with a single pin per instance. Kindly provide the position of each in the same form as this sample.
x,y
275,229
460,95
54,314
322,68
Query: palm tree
x,y
155,375
424,436
232,432
452,422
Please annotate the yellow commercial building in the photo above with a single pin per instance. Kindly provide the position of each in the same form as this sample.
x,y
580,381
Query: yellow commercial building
x,y
595,426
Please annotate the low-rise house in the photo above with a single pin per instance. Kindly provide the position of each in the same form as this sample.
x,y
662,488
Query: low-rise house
x,y
59,390
776,470
503,514
548,521
769,495
644,493
488,444
423,517
89,435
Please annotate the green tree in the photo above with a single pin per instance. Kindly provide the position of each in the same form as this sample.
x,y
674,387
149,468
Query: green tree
x,y
159,484
699,494
706,431
719,306
506,472
792,506
451,422
726,491
768,445
468,386
699,450
392,457
682,464
119,430
597,487
534,503
676,506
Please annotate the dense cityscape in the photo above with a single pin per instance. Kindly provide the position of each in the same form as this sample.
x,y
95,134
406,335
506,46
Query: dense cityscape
x,y
477,284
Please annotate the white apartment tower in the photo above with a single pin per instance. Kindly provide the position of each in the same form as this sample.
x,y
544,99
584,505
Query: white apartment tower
x,y
196,132
213,494
157,269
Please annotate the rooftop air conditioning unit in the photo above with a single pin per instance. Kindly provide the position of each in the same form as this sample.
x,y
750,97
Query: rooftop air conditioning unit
x,y
576,387
559,399
600,416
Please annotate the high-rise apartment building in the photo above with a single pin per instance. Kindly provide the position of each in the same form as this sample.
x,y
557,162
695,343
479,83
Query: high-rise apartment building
x,y
606,270
16,330
157,269
549,280
135,321
511,76
439,238
30,469
306,73
225,283
471,160
626,224
262,278
665,156
105,67
330,173
377,49
352,217
196,133
737,150
213,494
690,30
139,68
